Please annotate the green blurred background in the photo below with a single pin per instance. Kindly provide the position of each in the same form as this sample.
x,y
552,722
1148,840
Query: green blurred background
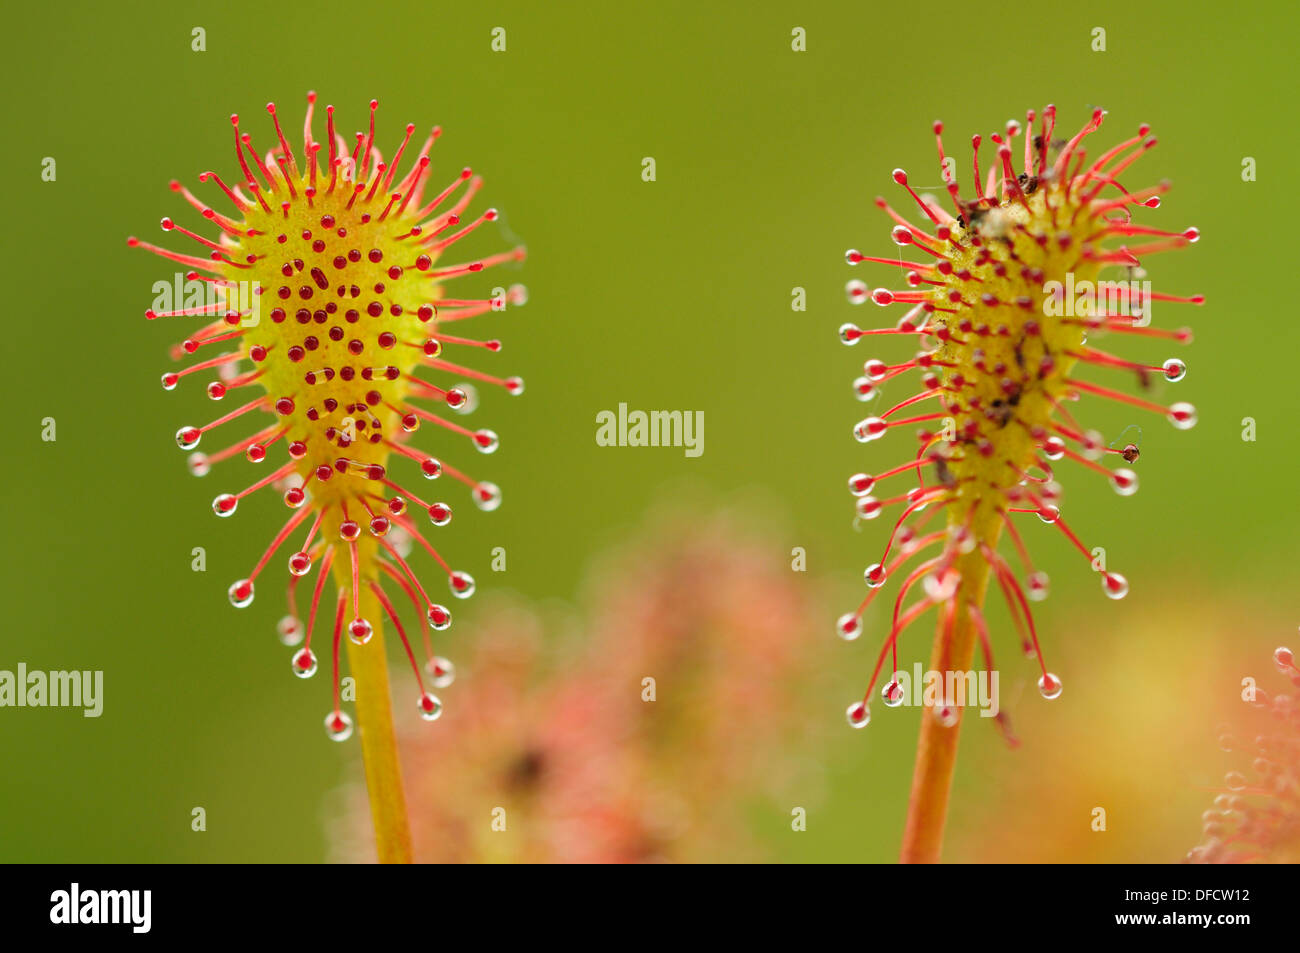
x,y
673,294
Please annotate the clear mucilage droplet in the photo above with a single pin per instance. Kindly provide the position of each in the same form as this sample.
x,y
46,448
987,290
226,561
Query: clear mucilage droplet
x,y
1114,585
441,671
461,584
360,631
858,715
468,399
892,692
304,663
1182,416
1049,686
241,593
486,496
430,707
338,725
860,484
300,564
940,587
290,630
1124,481
869,429
848,627
869,507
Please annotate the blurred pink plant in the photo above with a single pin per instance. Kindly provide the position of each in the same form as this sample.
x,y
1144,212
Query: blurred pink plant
x,y
681,707
1118,771
1256,817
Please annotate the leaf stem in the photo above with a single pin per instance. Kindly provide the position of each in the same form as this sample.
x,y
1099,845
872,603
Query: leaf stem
x,y
936,750
369,666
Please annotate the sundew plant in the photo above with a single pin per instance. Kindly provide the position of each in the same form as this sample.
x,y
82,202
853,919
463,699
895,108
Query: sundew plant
x,y
1009,298
323,295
